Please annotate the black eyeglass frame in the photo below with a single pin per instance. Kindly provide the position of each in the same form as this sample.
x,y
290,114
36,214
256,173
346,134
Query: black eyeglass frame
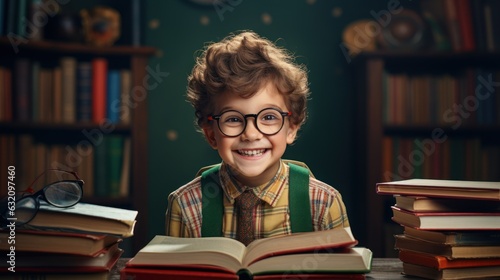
x,y
218,116
40,194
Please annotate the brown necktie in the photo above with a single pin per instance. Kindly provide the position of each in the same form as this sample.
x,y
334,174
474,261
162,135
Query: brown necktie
x,y
245,203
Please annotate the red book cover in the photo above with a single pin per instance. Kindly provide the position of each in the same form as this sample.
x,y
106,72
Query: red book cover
x,y
441,262
140,273
464,14
99,89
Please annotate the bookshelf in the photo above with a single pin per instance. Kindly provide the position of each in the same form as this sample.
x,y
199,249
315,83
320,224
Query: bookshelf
x,y
51,132
454,144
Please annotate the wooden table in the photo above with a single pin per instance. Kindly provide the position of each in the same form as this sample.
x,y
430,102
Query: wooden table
x,y
384,269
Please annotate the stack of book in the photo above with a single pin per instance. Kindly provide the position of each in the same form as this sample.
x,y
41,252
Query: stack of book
x,y
80,242
327,254
451,228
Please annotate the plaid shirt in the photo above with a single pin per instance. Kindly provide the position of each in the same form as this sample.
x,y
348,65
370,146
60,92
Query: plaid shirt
x,y
183,216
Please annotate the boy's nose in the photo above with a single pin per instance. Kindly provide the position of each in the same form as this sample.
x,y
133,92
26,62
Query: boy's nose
x,y
251,132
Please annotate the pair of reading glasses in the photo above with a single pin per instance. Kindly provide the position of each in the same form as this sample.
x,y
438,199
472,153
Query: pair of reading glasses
x,y
268,121
64,190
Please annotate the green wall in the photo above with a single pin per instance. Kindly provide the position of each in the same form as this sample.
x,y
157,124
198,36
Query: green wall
x,y
311,29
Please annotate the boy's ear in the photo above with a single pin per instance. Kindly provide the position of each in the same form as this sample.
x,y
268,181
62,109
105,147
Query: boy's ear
x,y
292,133
210,136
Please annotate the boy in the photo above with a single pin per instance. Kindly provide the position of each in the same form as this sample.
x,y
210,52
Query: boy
x,y
250,101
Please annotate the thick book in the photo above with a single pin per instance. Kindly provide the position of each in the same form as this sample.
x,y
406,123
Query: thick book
x,y
442,188
74,271
86,217
441,262
447,220
463,238
404,242
451,273
34,261
58,242
141,273
333,252
433,204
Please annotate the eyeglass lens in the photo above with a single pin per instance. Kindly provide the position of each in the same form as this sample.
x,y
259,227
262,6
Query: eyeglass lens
x,y
58,188
63,194
268,121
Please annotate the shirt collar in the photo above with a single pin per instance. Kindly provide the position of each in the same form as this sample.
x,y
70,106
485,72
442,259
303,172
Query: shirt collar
x,y
269,192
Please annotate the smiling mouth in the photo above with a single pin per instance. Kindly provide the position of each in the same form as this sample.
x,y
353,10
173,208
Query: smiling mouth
x,y
252,153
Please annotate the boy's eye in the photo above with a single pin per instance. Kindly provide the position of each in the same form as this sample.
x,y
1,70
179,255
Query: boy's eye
x,y
233,120
269,117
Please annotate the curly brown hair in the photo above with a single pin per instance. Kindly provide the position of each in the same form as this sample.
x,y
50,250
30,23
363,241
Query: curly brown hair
x,y
241,64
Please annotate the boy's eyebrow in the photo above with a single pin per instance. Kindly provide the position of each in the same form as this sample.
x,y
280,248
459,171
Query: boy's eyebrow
x,y
274,106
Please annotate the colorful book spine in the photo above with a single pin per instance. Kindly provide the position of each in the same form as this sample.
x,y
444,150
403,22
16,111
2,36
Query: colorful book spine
x,y
99,88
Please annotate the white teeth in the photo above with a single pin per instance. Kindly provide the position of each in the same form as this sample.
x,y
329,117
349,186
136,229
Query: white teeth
x,y
251,152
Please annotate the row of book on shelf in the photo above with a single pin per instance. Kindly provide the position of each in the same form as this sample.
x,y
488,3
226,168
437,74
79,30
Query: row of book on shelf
x,y
105,166
451,227
69,92
469,97
443,157
80,242
463,25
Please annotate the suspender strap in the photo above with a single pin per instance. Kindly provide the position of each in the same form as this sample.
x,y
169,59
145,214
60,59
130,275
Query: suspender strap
x,y
212,211
213,205
299,202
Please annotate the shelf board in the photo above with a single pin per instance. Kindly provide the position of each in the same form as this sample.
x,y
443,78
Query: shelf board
x,y
37,128
427,130
53,47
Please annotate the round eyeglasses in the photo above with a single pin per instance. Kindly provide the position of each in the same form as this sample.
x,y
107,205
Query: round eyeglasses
x,y
59,190
268,121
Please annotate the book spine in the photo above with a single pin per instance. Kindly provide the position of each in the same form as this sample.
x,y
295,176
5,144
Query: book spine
x,y
99,87
10,27
113,96
21,17
68,68
100,168
114,168
464,14
2,17
125,88
57,95
35,91
84,92
22,74
7,86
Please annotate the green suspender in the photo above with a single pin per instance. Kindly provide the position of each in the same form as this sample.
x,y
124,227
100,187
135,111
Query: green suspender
x,y
298,199
213,205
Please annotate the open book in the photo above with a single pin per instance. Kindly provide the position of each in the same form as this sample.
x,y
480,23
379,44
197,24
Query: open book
x,y
332,251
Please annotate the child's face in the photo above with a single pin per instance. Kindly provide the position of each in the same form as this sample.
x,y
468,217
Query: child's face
x,y
253,156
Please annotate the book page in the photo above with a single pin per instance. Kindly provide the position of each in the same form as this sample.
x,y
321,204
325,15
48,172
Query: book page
x,y
181,247
299,242
94,210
